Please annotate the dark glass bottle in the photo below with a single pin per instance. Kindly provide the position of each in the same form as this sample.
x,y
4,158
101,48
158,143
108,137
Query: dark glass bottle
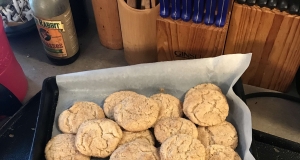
x,y
55,24
80,15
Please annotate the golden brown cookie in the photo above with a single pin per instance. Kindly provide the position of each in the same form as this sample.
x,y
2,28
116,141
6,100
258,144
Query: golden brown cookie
x,y
139,149
136,113
112,100
219,152
203,86
62,147
131,136
70,120
169,105
168,127
206,107
98,138
222,134
180,147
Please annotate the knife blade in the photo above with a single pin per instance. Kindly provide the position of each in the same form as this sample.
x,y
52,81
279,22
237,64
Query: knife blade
x,y
176,9
241,1
262,3
186,10
272,4
251,2
164,8
294,6
210,8
153,3
282,5
198,11
131,3
143,4
222,13
147,4
139,4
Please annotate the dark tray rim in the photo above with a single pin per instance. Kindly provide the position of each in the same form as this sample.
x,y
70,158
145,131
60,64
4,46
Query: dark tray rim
x,y
44,124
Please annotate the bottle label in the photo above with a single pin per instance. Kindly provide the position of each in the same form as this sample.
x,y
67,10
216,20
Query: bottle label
x,y
58,35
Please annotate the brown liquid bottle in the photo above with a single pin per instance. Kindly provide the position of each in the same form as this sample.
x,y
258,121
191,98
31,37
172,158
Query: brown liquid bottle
x,y
55,25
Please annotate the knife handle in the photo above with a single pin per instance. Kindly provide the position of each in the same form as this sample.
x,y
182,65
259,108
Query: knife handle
x,y
222,13
294,6
176,9
282,5
210,8
272,4
198,11
186,10
241,1
164,8
262,3
251,2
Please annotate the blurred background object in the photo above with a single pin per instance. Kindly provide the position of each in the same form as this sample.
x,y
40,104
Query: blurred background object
x,y
80,14
108,23
57,30
17,17
12,76
139,33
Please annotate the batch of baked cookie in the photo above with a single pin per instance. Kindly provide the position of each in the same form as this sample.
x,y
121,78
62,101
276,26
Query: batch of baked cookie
x,y
132,126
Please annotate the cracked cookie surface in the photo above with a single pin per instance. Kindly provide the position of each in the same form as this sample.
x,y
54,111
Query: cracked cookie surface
x,y
139,149
169,105
70,120
136,113
219,152
206,107
98,138
203,86
180,147
112,100
62,147
168,127
223,134
131,136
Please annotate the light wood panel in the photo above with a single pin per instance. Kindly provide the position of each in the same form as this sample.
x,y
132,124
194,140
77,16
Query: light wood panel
x,y
178,40
108,23
139,33
273,37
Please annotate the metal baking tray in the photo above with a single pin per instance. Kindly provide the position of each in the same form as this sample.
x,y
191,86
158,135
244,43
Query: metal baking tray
x,y
17,133
45,120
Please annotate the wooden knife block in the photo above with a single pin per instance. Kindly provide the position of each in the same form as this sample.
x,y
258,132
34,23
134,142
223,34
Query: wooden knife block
x,y
178,40
274,39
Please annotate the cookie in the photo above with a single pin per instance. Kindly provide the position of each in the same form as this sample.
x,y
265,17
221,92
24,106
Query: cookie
x,y
206,107
98,138
62,147
131,136
136,113
168,127
169,105
222,134
139,149
112,100
70,120
180,147
219,152
203,86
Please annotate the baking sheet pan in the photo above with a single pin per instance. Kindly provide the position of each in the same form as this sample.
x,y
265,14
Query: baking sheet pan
x,y
174,77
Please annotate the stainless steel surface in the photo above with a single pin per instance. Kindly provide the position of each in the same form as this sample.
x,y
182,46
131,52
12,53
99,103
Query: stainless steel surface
x,y
271,115
275,116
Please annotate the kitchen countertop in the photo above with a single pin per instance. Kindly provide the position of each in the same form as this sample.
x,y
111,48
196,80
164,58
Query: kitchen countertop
x,y
270,115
